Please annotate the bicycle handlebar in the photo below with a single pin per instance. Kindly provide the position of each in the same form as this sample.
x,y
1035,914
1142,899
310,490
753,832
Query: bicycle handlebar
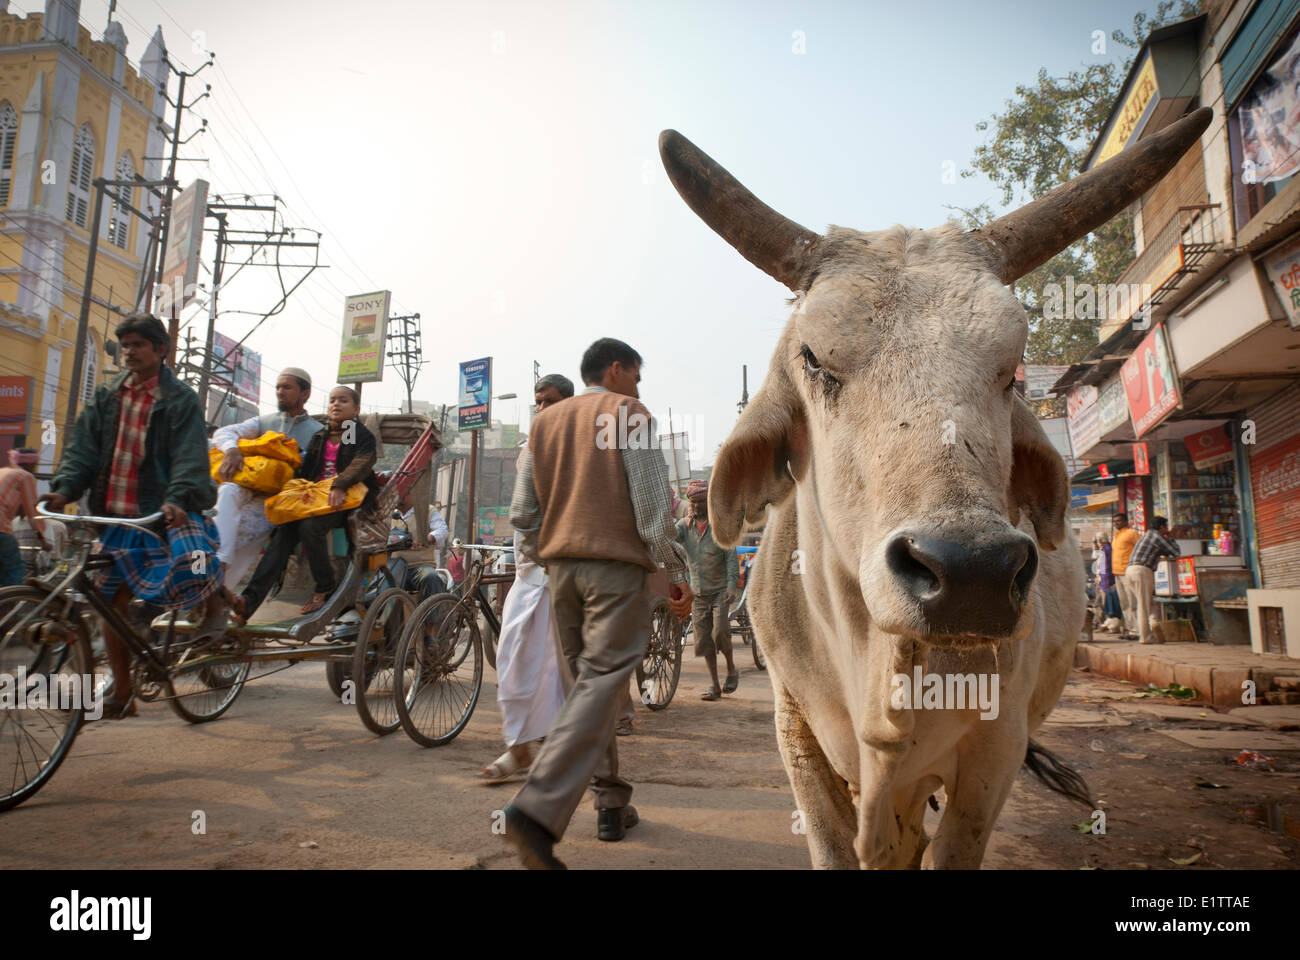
x,y
142,524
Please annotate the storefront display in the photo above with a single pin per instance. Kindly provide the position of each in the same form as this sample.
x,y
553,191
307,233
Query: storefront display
x,y
1202,505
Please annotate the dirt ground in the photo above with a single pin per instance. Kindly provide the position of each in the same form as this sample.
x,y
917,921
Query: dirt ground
x,y
290,778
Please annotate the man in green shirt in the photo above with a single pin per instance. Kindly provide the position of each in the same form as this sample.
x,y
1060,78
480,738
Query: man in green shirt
x,y
714,573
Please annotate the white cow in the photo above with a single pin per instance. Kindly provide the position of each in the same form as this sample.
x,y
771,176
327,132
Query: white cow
x,y
914,510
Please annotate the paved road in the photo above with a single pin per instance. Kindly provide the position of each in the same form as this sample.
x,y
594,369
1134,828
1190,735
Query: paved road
x,y
289,765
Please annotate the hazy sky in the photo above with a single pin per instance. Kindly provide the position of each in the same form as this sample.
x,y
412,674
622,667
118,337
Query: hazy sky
x,y
495,164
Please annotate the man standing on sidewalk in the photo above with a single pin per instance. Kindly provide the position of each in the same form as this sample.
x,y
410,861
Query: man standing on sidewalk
x,y
1121,548
1141,572
590,505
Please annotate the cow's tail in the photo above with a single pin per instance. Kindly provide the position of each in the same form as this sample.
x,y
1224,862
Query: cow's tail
x,y
1057,775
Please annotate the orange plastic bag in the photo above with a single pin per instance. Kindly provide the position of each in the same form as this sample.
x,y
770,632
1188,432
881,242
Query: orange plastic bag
x,y
274,445
301,499
259,474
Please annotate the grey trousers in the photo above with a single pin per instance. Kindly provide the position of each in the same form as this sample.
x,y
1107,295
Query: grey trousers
x,y
602,615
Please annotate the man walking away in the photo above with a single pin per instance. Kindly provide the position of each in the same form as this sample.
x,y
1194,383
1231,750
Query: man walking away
x,y
590,503
17,495
1121,548
714,575
1141,572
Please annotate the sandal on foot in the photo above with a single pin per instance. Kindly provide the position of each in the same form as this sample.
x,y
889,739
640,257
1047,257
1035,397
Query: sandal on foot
x,y
711,694
315,603
504,766
733,681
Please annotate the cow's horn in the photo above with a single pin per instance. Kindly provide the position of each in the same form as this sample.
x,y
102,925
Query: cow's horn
x,y
776,245
1038,231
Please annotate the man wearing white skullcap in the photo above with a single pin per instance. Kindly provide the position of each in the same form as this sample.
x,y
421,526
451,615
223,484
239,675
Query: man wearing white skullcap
x,y
241,513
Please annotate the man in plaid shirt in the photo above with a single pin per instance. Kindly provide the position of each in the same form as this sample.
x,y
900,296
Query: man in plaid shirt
x,y
1141,572
140,447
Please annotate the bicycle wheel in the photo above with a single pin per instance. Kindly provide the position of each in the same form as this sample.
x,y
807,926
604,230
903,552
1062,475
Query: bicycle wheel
x,y
438,671
37,731
658,671
203,681
337,673
377,641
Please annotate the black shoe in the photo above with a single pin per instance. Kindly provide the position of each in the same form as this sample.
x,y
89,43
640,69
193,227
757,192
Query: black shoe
x,y
612,822
532,840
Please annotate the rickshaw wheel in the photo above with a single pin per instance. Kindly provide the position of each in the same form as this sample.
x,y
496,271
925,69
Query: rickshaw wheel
x,y
658,671
372,663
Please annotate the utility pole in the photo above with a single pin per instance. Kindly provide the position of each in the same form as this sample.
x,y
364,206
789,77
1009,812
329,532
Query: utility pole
x,y
217,262
744,388
173,321
100,185
407,360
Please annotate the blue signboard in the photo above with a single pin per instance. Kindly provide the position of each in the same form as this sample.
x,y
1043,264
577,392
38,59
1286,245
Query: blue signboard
x,y
1079,497
475,404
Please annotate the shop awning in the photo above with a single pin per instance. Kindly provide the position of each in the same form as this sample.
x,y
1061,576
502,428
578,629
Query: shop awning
x,y
1099,501
1092,474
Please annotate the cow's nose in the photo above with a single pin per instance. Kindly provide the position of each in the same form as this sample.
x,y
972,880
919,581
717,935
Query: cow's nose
x,y
976,585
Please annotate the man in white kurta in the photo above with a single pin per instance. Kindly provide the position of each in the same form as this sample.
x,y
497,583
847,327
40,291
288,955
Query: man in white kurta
x,y
532,682
241,513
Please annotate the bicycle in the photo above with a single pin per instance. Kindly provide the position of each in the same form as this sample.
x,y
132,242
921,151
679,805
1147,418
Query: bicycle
x,y
438,664
45,642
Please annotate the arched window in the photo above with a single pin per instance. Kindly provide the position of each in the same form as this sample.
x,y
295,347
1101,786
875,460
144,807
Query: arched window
x,y
119,218
8,144
83,163
90,371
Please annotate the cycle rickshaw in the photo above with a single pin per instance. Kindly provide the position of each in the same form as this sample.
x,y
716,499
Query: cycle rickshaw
x,y
47,667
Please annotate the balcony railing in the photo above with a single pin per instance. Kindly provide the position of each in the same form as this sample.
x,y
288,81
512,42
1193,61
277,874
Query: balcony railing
x,y
1172,254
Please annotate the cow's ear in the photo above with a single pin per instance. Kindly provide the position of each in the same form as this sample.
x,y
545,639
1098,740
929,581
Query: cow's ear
x,y
1039,483
766,452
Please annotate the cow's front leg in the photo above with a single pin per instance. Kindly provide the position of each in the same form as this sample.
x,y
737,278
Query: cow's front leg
x,y
825,804
987,762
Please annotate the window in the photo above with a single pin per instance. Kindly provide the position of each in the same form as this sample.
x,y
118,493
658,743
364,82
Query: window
x,y
90,373
1263,135
8,143
79,177
119,218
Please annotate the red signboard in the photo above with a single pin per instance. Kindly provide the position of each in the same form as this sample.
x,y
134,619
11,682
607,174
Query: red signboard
x,y
1209,447
1141,463
1275,482
15,404
1150,382
1187,576
1103,471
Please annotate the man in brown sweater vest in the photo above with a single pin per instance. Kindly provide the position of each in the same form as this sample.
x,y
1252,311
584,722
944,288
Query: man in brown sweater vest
x,y
591,504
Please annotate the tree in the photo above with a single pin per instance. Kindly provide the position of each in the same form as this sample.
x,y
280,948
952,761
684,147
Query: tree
x,y
1038,143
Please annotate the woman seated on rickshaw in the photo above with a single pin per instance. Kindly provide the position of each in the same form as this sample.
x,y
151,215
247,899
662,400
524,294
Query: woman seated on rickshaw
x,y
346,451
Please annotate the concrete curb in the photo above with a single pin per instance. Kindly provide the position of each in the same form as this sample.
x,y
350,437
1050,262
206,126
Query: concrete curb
x,y
1220,685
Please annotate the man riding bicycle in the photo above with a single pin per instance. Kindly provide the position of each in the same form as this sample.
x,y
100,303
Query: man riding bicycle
x,y
140,447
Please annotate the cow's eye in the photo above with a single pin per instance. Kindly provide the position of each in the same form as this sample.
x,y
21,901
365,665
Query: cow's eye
x,y
810,363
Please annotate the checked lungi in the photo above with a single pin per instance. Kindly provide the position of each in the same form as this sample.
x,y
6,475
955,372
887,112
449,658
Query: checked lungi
x,y
177,575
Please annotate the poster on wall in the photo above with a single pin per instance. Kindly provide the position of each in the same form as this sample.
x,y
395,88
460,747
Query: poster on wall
x,y
1270,122
15,405
1150,382
1283,269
